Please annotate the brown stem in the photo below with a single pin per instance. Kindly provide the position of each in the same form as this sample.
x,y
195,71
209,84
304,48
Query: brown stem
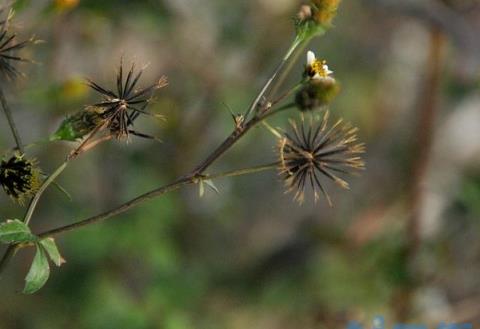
x,y
120,209
153,194
11,122
296,43
7,256
225,146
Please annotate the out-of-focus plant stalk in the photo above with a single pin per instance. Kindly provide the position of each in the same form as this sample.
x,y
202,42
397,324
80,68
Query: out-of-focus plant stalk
x,y
428,108
11,122
295,44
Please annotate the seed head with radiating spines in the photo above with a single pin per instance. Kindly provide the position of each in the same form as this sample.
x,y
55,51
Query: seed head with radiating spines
x,y
9,48
20,177
121,107
313,151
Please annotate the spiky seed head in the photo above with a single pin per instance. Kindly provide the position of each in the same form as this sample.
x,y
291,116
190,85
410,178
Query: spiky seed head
x,y
121,106
20,177
9,47
313,152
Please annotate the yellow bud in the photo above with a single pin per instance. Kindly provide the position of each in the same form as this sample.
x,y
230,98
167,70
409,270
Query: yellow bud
x,y
325,11
66,4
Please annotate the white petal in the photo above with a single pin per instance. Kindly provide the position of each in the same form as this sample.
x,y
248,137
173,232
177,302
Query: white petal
x,y
310,57
327,71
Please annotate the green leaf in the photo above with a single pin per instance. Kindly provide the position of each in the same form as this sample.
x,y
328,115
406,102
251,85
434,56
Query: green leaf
x,y
66,132
38,274
51,248
78,125
15,231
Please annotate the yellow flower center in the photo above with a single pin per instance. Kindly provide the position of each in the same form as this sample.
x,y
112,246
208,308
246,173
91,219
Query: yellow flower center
x,y
318,67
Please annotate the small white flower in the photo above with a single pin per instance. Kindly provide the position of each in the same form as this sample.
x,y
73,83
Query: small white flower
x,y
317,69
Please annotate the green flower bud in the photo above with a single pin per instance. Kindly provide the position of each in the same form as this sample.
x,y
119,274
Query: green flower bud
x,y
316,18
79,124
317,93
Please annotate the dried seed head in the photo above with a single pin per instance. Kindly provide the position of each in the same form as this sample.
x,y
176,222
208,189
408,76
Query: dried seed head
x,y
120,108
20,178
9,47
312,151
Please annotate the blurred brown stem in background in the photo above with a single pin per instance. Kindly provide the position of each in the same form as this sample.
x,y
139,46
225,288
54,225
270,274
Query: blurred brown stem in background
x,y
11,122
428,107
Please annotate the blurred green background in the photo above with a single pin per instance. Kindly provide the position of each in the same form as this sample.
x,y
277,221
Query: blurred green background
x,y
403,243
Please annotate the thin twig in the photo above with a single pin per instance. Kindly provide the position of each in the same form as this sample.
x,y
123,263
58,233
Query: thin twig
x,y
7,256
246,171
42,189
120,209
153,194
296,43
11,122
291,62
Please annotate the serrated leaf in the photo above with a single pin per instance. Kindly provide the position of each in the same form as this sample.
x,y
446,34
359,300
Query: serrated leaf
x,y
210,184
51,248
38,274
15,231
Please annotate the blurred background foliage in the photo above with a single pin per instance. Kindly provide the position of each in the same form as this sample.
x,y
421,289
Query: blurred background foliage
x,y
403,243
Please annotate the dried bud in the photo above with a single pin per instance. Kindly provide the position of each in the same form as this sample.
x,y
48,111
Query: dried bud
x,y
20,178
